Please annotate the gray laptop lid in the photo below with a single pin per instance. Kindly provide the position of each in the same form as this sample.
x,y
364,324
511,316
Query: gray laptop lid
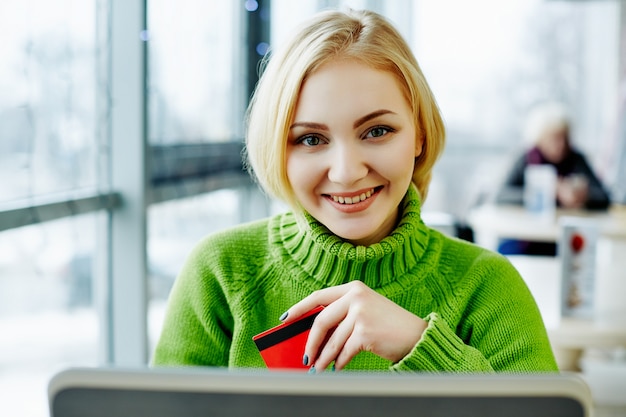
x,y
193,392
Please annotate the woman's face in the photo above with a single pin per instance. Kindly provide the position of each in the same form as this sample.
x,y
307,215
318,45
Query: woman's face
x,y
351,150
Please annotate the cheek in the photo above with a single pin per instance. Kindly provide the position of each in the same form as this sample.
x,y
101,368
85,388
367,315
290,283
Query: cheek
x,y
397,163
292,171
300,172
412,150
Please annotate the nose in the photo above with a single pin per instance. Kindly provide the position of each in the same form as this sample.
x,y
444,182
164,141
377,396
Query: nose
x,y
347,164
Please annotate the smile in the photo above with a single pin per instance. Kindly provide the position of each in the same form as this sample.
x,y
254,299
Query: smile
x,y
353,199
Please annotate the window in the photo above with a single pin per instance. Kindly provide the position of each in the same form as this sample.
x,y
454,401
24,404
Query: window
x,y
195,68
50,108
48,311
51,147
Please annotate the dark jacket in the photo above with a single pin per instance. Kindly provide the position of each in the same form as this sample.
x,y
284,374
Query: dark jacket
x,y
512,191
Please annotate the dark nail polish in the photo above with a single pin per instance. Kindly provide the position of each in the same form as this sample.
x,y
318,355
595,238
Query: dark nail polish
x,y
312,370
305,360
283,316
332,368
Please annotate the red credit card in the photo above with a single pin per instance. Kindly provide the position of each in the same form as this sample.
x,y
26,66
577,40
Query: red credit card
x,y
282,347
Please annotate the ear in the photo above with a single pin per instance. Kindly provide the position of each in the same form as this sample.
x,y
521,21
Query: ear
x,y
419,143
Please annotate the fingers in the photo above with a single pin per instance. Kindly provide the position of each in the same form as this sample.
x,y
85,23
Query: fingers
x,y
328,335
323,297
325,324
332,334
340,347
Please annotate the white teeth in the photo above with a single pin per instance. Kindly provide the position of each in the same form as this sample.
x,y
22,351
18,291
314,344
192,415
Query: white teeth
x,y
355,199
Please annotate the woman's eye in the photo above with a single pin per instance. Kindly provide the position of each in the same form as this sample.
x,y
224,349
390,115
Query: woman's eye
x,y
310,141
378,132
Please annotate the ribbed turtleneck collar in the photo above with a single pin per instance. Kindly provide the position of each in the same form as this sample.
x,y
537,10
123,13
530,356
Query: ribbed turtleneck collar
x,y
324,257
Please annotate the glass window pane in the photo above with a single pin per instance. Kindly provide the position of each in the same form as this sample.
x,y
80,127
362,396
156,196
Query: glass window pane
x,y
48,317
195,71
49,79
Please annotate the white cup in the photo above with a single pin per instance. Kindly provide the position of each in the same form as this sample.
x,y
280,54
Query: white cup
x,y
540,191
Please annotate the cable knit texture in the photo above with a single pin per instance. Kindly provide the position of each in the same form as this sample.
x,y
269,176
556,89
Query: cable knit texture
x,y
236,283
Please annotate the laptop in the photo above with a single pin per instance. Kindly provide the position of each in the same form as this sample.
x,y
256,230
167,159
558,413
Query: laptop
x,y
194,392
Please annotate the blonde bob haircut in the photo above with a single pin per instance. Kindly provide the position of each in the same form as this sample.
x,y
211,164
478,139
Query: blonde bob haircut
x,y
363,36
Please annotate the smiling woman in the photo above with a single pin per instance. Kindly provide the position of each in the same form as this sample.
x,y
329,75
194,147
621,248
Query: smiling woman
x,y
343,127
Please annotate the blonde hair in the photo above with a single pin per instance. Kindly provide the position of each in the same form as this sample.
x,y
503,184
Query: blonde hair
x,y
543,117
364,36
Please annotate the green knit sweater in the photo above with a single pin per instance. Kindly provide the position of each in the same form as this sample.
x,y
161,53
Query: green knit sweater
x,y
236,283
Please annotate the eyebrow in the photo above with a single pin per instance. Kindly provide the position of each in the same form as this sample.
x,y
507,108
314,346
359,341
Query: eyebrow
x,y
371,116
357,123
309,125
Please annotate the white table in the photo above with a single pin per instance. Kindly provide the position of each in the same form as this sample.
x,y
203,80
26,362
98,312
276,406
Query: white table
x,y
491,223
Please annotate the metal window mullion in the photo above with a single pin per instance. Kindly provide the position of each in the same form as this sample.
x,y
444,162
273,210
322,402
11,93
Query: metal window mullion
x,y
127,308
47,209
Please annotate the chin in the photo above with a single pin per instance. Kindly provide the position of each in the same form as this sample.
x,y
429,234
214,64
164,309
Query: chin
x,y
356,237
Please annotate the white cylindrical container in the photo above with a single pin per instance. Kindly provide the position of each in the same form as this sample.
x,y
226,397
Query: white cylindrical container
x,y
610,291
540,191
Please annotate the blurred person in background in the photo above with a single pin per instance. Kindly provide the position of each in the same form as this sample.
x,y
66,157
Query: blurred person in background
x,y
548,130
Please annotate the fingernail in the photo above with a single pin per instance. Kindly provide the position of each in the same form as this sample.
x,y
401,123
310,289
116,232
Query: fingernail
x,y
312,370
332,368
305,360
283,316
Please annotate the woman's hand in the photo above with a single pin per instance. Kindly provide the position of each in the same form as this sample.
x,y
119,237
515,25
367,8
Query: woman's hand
x,y
572,191
356,318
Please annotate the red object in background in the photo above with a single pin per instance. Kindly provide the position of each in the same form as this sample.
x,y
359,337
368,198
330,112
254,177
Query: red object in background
x,y
282,347
577,242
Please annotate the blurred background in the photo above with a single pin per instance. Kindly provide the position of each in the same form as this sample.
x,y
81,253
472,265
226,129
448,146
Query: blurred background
x,y
121,133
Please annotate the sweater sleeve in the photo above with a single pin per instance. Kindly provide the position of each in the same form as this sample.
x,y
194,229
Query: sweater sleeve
x,y
441,349
499,328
